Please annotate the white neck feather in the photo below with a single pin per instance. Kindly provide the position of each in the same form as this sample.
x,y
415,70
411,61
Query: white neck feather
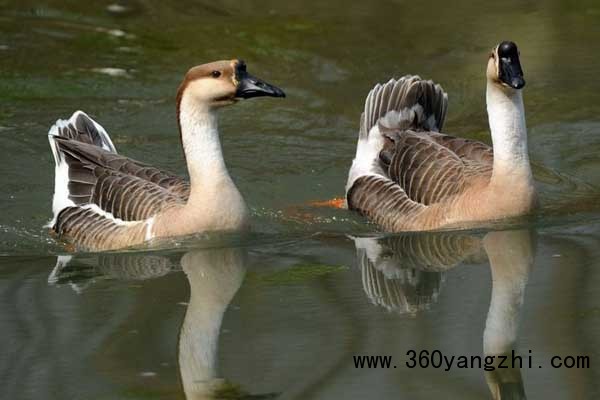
x,y
201,143
509,133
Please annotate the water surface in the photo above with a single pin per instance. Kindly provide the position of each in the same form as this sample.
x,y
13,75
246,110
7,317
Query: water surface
x,y
280,313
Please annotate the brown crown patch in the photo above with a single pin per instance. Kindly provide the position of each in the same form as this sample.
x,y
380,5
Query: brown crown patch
x,y
227,68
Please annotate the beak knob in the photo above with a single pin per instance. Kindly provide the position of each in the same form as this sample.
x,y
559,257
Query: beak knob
x,y
510,71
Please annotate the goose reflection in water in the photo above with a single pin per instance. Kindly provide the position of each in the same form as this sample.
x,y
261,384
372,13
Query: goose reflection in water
x,y
214,277
405,274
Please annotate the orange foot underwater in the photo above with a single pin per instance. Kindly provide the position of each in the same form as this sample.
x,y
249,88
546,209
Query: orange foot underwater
x,y
299,212
337,202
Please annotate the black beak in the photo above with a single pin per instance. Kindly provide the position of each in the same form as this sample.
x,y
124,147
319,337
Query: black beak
x,y
250,86
511,73
510,66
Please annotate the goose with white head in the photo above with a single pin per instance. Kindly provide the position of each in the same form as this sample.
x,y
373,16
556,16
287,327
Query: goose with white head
x,y
103,200
408,176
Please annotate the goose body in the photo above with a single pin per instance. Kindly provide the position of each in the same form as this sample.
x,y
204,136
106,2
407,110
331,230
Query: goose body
x,y
103,200
408,176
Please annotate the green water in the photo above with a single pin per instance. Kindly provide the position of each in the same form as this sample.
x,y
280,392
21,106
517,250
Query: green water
x,y
280,313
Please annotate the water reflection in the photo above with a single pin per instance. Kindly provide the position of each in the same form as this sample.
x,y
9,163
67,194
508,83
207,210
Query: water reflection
x,y
214,276
405,274
511,255
108,266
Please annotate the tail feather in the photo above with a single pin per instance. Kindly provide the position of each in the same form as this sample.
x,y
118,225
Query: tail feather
x,y
68,181
82,128
405,103
399,104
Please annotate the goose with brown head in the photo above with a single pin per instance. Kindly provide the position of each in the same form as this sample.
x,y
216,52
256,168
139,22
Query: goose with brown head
x,y
221,83
126,202
205,89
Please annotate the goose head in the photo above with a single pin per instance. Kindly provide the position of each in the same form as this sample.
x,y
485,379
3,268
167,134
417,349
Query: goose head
x,y
504,67
221,83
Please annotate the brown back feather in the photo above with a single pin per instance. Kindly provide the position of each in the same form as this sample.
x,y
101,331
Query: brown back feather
x,y
428,172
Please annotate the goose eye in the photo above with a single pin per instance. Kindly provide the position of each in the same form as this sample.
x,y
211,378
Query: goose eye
x,y
216,74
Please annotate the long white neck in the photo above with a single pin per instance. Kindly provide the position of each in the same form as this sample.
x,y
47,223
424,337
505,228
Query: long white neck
x,y
509,133
201,143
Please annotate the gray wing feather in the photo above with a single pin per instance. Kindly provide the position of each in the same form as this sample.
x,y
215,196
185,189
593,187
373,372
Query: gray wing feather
x,y
471,150
428,172
126,188
123,187
383,201
92,231
95,156
420,173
